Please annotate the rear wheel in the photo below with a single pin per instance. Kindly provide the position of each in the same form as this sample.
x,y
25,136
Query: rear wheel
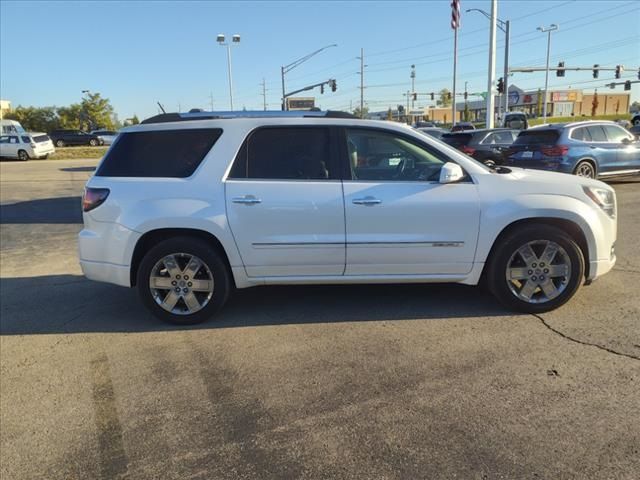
x,y
59,143
585,169
93,142
23,155
183,281
536,269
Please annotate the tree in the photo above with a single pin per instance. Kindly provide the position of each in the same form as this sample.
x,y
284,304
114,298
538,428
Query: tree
x,y
364,112
444,99
71,116
539,103
134,120
389,114
635,107
36,119
97,112
466,113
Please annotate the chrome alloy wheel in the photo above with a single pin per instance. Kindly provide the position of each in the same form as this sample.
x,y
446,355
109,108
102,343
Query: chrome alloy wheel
x,y
585,169
181,283
538,271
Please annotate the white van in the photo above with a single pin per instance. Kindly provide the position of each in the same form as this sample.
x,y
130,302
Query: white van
x,y
16,142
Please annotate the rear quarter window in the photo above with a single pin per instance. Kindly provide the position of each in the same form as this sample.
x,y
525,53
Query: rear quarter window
x,y
537,137
158,153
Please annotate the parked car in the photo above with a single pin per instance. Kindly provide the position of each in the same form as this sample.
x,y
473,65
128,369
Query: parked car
x,y
594,149
187,211
515,120
424,124
635,119
107,136
635,130
63,138
434,132
26,146
459,127
488,146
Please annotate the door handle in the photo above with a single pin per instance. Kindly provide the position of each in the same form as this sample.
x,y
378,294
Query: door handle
x,y
367,201
246,200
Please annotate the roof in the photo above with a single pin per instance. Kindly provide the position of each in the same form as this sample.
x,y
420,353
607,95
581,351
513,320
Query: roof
x,y
202,115
559,126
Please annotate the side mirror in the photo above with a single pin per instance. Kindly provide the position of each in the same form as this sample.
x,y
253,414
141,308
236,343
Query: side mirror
x,y
626,141
451,173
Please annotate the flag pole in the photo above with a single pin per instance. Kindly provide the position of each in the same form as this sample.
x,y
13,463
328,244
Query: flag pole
x,y
455,65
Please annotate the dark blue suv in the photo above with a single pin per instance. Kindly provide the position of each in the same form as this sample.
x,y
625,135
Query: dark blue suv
x,y
589,149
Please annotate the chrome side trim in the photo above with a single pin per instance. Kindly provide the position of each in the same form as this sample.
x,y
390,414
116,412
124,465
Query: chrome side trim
x,y
619,172
355,244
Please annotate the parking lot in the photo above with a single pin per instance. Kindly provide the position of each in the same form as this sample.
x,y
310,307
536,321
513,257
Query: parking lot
x,y
379,382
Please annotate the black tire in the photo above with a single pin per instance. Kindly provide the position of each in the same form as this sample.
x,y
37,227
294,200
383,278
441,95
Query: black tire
x,y
584,166
213,261
93,142
636,120
23,155
498,263
59,143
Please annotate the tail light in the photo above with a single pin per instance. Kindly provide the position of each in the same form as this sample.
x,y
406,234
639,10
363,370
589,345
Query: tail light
x,y
555,150
32,145
468,150
93,198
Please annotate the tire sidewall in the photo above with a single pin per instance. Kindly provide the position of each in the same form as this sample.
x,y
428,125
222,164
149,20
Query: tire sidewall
x,y
498,264
199,248
59,143
26,155
591,164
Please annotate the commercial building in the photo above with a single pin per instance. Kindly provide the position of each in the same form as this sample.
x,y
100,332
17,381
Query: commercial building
x,y
5,107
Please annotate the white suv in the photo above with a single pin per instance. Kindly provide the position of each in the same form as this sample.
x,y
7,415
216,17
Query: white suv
x,y
188,207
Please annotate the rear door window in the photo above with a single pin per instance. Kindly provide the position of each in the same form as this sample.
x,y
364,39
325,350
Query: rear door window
x,y
597,133
291,153
581,134
159,153
537,137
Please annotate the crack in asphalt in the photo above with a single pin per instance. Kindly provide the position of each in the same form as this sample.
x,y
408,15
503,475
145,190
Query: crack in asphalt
x,y
626,270
571,339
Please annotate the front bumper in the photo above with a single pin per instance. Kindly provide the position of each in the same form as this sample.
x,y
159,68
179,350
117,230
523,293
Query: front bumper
x,y
106,272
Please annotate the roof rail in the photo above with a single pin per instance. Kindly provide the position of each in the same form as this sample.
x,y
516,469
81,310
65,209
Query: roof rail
x,y
202,115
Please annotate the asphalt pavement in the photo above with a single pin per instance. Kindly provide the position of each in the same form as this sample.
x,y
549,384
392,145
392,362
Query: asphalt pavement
x,y
374,382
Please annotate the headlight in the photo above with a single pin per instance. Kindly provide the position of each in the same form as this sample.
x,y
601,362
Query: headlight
x,y
605,199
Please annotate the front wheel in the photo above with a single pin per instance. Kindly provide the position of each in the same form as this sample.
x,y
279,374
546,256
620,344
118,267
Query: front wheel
x,y
536,269
93,142
183,281
23,155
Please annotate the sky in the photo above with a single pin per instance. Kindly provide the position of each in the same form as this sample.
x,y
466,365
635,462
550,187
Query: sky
x,y
137,53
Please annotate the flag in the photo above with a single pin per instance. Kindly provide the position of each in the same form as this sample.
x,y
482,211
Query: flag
x,y
455,14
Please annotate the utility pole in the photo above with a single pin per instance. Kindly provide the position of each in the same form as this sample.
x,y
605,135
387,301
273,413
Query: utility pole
x,y
413,85
491,77
264,94
407,115
211,100
505,77
362,83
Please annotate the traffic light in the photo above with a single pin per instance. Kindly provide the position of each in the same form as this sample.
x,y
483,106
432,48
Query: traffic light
x,y
500,85
638,73
619,70
333,85
560,71
322,89
595,70
432,96
400,109
627,85
415,96
465,95
449,95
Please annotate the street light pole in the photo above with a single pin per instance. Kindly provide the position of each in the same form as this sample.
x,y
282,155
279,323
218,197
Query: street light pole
x,y
505,27
491,77
413,85
287,68
221,41
547,30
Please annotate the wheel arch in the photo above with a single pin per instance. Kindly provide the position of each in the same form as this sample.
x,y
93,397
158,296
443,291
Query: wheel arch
x,y
151,238
566,225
